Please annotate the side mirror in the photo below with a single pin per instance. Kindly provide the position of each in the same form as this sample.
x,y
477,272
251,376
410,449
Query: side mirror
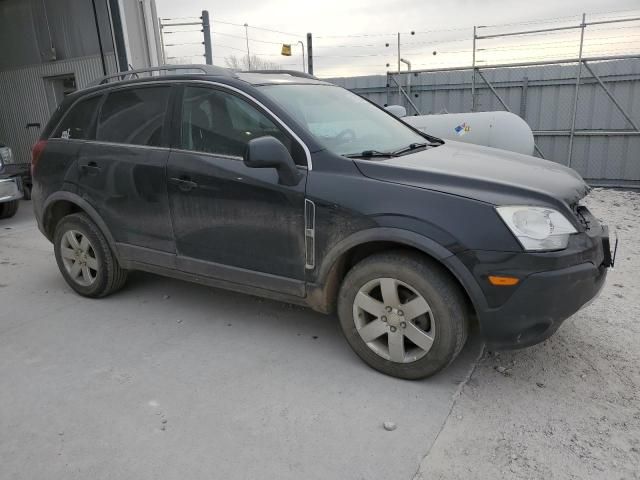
x,y
269,152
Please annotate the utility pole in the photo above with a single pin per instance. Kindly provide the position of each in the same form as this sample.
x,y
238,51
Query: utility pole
x,y
164,53
399,73
473,71
309,54
95,17
399,83
577,89
246,35
206,31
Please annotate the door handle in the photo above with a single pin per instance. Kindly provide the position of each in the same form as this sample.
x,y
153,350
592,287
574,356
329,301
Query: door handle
x,y
90,168
184,184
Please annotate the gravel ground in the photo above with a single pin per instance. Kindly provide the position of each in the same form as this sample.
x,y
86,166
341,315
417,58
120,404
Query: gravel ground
x,y
568,408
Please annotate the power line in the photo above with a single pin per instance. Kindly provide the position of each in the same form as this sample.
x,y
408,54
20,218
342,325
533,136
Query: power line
x,y
257,28
241,37
421,32
182,31
389,55
357,35
372,45
226,22
217,45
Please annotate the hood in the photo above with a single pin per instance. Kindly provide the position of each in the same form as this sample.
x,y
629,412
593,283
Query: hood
x,y
486,174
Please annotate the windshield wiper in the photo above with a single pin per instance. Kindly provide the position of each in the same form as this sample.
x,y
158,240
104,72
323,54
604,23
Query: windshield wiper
x,y
371,154
410,148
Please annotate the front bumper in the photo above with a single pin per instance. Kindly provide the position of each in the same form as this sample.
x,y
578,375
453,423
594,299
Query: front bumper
x,y
540,305
10,189
553,286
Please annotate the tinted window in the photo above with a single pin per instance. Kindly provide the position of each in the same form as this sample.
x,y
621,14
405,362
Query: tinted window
x,y
219,122
134,116
78,122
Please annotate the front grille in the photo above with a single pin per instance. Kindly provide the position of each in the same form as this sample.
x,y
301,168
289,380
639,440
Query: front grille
x,y
590,223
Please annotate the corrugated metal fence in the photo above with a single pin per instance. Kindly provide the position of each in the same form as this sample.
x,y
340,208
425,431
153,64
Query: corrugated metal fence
x,y
606,145
23,98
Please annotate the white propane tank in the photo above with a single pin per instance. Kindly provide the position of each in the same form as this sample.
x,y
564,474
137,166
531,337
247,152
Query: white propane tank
x,y
503,130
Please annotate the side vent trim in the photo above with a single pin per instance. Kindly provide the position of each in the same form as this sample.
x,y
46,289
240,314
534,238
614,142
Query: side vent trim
x,y
310,234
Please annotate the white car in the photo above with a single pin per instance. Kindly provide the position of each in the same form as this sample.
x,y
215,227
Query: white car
x,y
11,190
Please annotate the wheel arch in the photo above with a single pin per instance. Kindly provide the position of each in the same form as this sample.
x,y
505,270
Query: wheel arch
x,y
322,294
61,204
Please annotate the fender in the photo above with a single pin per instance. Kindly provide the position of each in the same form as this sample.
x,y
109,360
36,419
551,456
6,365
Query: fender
x,y
410,239
86,208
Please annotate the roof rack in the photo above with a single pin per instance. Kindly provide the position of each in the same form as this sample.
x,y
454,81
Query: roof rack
x,y
293,73
168,69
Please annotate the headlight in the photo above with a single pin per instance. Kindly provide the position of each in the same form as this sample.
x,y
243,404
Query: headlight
x,y
537,228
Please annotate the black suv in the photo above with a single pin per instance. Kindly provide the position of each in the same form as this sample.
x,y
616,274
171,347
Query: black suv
x,y
284,186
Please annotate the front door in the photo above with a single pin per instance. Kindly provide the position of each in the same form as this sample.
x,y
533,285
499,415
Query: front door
x,y
231,221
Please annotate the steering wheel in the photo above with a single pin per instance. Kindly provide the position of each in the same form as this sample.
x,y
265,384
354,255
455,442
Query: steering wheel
x,y
346,135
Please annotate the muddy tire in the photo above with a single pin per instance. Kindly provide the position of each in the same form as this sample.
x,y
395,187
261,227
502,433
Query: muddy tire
x,y
85,258
403,314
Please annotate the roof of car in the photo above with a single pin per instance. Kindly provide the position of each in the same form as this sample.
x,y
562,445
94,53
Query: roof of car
x,y
271,77
206,72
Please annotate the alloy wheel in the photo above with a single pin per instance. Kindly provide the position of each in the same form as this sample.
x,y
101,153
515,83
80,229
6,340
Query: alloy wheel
x,y
394,320
79,258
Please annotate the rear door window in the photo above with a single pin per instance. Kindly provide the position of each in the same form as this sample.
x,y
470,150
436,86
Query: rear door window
x,y
134,116
78,123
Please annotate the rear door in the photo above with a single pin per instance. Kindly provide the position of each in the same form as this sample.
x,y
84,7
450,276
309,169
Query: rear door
x,y
232,221
123,172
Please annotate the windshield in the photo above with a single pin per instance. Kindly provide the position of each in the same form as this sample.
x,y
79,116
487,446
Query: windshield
x,y
343,122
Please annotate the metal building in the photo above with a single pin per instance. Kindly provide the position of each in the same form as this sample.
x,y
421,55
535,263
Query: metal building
x,y
606,138
50,48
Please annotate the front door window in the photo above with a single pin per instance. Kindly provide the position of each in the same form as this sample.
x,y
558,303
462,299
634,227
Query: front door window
x,y
221,123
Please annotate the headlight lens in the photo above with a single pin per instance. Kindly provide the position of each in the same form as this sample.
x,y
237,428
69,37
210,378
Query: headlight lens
x,y
537,228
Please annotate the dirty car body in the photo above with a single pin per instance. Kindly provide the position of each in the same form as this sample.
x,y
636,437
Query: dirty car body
x,y
236,217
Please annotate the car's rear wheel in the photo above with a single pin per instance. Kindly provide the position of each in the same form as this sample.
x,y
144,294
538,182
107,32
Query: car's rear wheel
x,y
402,314
9,209
85,258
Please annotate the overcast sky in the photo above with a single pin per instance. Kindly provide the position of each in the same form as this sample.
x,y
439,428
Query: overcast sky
x,y
350,36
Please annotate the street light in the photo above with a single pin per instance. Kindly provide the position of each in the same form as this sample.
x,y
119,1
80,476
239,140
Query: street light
x,y
302,45
286,51
408,64
399,60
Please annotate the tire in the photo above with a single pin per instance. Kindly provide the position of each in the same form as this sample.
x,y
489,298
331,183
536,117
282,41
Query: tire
x,y
87,264
9,209
429,307
26,192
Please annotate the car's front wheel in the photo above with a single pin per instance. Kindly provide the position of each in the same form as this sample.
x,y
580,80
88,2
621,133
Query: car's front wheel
x,y
85,259
402,314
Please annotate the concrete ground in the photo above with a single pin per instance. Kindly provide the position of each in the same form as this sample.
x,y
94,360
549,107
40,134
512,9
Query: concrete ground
x,y
173,380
